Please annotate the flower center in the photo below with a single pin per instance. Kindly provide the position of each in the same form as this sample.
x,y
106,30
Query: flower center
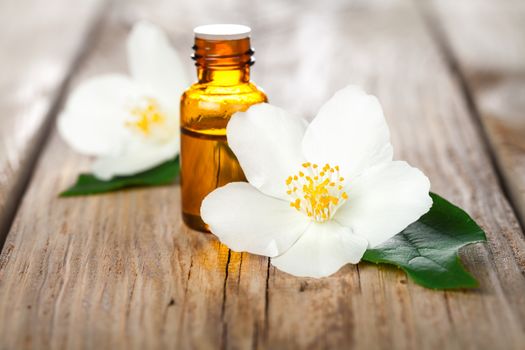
x,y
317,192
145,115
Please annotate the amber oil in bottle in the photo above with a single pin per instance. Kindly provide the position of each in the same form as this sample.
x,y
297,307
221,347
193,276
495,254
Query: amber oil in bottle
x,y
223,56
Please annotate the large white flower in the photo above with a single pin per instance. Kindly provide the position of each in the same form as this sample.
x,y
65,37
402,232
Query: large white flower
x,y
130,123
318,195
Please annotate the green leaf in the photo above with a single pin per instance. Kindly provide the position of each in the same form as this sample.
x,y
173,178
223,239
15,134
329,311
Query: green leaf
x,y
427,250
160,175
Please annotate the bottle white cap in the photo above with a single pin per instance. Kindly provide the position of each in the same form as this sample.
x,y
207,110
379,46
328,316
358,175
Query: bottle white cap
x,y
222,32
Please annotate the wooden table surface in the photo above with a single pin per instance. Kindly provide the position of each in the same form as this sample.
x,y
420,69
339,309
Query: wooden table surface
x,y
120,271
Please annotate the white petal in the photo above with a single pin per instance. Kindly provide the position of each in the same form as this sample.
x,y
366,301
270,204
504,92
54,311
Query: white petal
x,y
349,131
153,62
93,118
267,143
246,220
138,157
322,250
384,200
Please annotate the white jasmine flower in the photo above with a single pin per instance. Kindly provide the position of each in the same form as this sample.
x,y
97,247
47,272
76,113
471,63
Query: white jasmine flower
x,y
318,195
130,123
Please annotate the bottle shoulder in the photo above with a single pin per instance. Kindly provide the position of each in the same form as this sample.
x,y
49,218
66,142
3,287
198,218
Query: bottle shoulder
x,y
207,109
211,92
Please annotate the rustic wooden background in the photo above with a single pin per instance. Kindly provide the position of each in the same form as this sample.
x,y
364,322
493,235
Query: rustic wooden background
x,y
120,271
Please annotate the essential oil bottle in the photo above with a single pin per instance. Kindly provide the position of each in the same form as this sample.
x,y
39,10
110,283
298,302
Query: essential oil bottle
x,y
223,56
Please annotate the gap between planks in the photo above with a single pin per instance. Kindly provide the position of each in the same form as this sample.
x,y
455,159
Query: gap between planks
x,y
429,16
257,333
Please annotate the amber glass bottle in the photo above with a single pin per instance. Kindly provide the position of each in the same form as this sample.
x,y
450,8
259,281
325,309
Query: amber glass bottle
x,y
223,57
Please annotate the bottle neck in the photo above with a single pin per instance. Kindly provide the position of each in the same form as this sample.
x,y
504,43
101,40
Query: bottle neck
x,y
223,62
223,76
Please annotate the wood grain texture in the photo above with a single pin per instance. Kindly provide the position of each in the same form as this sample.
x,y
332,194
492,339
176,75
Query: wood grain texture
x,y
121,271
40,43
487,39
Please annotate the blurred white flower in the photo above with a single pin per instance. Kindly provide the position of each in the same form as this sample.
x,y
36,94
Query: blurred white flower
x,y
130,123
318,195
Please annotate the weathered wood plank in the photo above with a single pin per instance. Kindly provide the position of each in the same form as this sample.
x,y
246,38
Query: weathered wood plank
x,y
487,39
386,47
167,294
121,271
40,42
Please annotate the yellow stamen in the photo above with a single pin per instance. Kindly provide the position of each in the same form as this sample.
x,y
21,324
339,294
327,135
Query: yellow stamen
x,y
146,115
316,194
